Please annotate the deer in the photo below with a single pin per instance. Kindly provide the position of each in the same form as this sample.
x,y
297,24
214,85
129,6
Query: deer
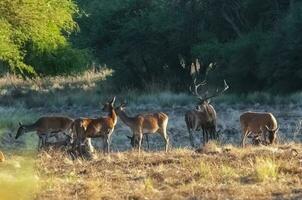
x,y
98,127
78,129
144,124
204,116
47,126
255,124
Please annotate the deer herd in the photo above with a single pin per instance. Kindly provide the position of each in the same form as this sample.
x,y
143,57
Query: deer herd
x,y
261,127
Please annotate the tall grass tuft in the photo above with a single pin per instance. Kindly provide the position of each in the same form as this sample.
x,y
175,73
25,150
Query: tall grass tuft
x,y
148,185
205,171
266,169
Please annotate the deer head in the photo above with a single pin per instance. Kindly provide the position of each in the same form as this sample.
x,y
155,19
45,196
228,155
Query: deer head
x,y
108,106
272,134
120,108
21,130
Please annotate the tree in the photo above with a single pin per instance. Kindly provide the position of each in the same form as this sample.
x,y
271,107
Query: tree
x,y
33,27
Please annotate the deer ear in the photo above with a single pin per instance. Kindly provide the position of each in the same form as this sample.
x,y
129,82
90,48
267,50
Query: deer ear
x,y
124,104
20,124
113,100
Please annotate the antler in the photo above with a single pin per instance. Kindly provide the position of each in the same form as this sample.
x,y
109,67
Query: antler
x,y
194,71
217,93
196,86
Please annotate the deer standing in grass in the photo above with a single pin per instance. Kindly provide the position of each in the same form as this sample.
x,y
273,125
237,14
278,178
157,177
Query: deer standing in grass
x,y
144,124
259,124
204,116
99,127
46,127
80,145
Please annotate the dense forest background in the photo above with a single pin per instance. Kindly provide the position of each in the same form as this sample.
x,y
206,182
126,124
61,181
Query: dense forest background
x,y
256,44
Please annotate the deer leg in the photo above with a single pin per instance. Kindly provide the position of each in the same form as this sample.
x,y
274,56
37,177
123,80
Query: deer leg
x,y
207,135
210,135
203,136
243,138
147,139
216,133
90,145
108,144
164,135
264,136
104,144
191,137
39,143
44,138
166,142
140,142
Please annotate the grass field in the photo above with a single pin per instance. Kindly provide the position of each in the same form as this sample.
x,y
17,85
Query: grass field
x,y
215,172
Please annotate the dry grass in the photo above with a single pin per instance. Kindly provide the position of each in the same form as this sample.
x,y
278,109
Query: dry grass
x,y
53,91
234,173
83,81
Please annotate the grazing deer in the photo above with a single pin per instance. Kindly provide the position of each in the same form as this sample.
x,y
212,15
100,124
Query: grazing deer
x,y
46,127
204,116
98,127
2,158
259,123
144,124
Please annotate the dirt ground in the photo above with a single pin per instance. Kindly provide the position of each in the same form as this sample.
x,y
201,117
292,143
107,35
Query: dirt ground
x,y
288,117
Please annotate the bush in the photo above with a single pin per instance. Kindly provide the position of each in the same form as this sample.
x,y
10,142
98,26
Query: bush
x,y
63,61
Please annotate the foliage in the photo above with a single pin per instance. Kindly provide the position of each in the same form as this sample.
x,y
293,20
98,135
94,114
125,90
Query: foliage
x,y
254,43
64,60
31,27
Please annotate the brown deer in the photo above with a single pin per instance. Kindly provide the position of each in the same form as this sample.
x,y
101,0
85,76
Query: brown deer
x,y
99,127
204,116
79,144
46,127
143,124
259,124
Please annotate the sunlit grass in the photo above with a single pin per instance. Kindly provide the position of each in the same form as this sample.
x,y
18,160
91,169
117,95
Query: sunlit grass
x,y
266,169
19,179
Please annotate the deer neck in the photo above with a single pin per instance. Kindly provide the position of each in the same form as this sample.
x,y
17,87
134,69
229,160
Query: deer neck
x,y
30,127
125,118
112,115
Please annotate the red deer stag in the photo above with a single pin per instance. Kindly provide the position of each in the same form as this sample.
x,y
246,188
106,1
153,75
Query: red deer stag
x,y
204,116
259,124
46,127
100,127
144,124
